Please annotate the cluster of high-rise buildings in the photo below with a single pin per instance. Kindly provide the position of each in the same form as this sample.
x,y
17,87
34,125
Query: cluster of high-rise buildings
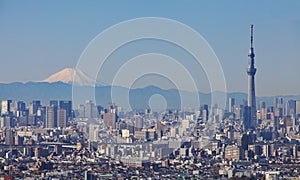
x,y
275,112
17,113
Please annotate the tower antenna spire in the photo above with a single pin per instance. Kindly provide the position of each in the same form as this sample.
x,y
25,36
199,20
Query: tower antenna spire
x,y
251,45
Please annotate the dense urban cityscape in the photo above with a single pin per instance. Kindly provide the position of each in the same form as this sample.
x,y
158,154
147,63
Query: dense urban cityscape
x,y
91,142
55,141
75,138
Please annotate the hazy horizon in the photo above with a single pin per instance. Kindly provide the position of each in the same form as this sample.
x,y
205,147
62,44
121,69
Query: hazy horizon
x,y
41,38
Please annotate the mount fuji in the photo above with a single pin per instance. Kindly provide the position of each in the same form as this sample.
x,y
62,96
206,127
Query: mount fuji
x,y
69,76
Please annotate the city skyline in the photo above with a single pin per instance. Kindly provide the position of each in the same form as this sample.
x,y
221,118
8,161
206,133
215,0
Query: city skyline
x,y
43,136
149,90
47,42
232,141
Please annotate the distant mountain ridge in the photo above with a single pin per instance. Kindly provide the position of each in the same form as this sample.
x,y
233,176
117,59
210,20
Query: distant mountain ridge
x,y
59,86
138,98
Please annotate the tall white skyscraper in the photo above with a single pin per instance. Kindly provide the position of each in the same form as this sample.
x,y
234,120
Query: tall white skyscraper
x,y
5,107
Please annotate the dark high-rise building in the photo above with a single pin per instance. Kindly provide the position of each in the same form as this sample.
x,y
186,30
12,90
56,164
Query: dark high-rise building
x,y
251,70
32,120
61,117
204,112
23,121
67,105
262,105
290,109
33,107
278,102
278,107
297,109
51,116
9,137
21,106
231,103
54,103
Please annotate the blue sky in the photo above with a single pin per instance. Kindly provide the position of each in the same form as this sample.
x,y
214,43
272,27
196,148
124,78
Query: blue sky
x,y
38,38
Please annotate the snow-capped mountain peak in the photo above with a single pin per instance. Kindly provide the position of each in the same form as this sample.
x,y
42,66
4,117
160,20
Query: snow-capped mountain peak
x,y
67,75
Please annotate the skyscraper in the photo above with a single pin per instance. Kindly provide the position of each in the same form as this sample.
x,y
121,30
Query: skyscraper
x,y
231,103
138,122
80,111
51,116
5,107
278,107
67,105
110,117
290,108
251,70
204,112
61,117
54,102
33,107
88,109
297,109
9,137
